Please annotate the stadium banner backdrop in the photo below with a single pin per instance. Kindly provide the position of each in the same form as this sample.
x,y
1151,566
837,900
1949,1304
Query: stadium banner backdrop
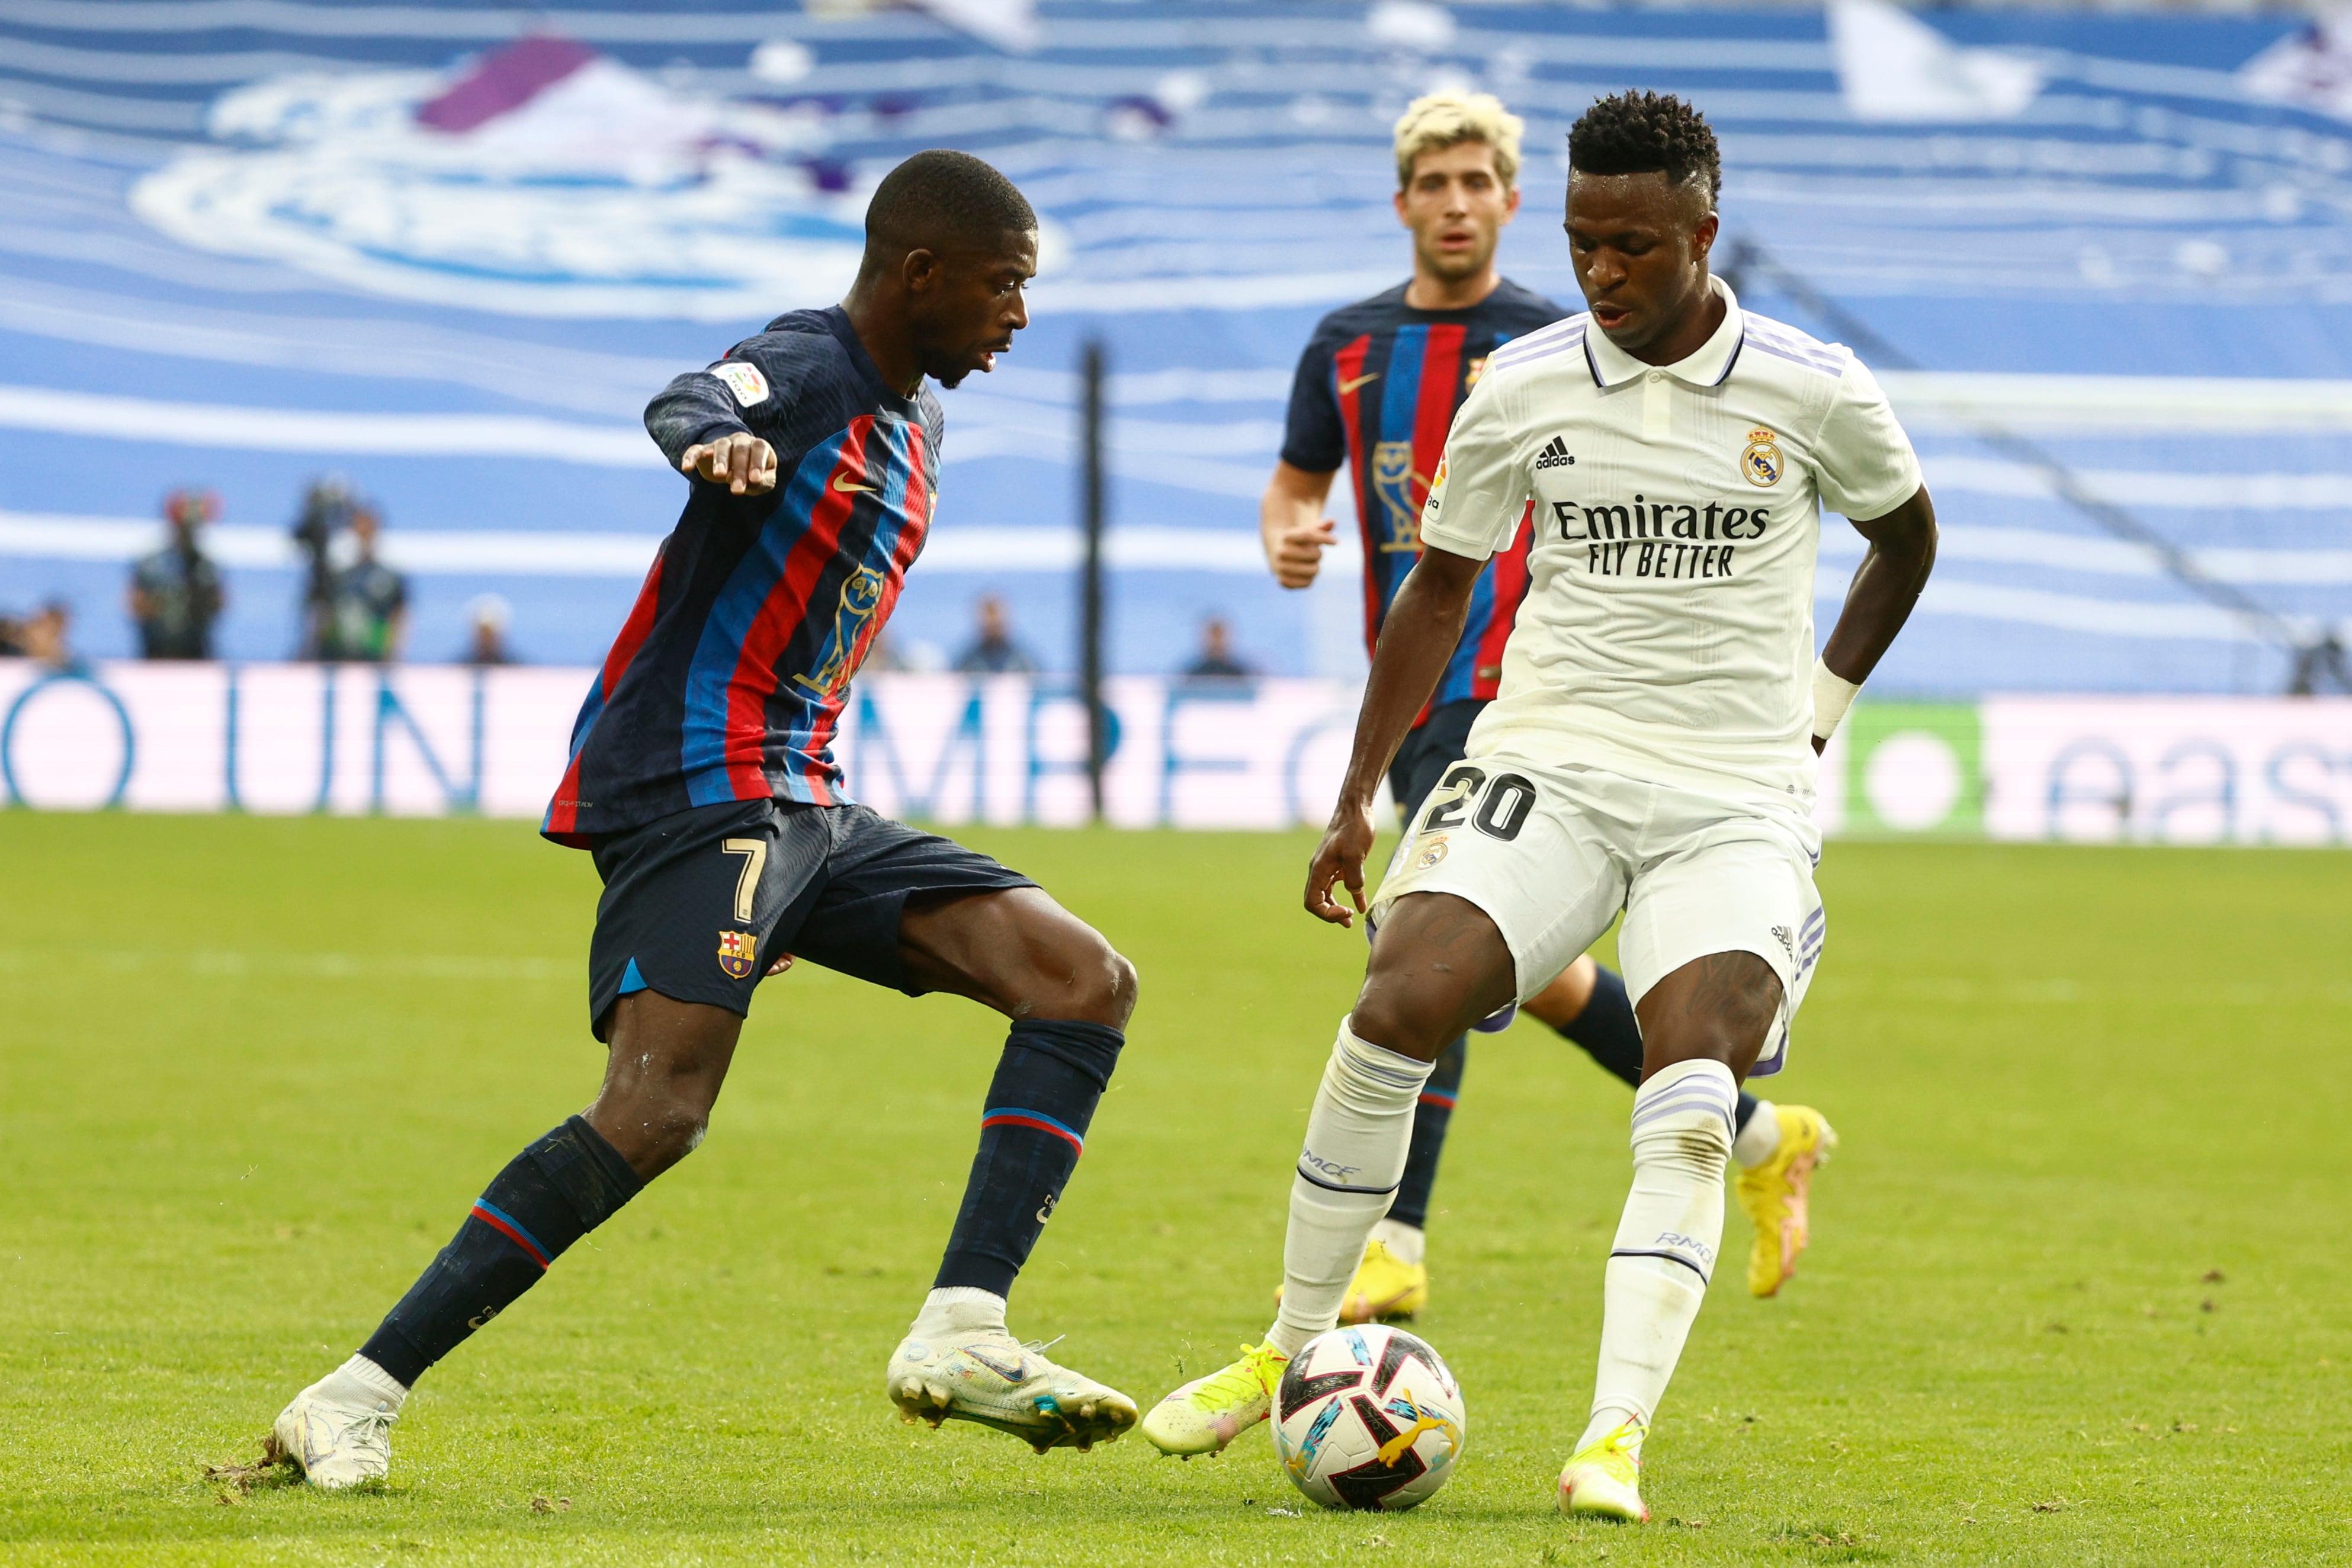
x,y
427,740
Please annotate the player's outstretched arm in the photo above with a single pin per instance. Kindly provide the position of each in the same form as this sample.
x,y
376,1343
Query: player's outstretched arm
x,y
1886,585
698,421
1291,524
1420,634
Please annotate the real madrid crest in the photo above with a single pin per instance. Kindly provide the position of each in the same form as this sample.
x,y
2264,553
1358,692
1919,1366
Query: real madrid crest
x,y
1430,855
1760,460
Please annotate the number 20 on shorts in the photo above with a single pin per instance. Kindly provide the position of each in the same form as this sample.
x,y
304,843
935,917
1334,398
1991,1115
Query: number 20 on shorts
x,y
1503,802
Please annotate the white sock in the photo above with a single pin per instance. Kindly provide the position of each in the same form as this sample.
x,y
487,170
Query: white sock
x,y
956,1310
1357,1139
1759,1140
360,1381
1409,1242
1665,1246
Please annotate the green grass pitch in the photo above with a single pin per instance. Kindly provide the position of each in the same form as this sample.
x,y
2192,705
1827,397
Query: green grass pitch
x,y
2077,1296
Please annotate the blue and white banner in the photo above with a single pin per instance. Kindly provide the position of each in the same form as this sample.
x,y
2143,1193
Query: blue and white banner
x,y
450,251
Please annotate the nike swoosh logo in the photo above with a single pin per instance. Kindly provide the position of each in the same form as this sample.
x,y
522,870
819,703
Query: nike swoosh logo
x,y
1016,1373
1347,386
847,488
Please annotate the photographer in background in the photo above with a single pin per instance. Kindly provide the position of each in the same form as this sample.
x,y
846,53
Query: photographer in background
x,y
326,514
367,601
175,592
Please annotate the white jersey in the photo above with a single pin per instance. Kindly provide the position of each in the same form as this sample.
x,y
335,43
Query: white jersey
x,y
1667,634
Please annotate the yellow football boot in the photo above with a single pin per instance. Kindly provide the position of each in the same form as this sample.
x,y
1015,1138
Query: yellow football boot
x,y
1776,1195
1604,1479
1209,1412
1386,1288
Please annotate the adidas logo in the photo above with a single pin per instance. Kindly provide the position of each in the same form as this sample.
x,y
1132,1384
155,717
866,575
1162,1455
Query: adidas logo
x,y
1555,455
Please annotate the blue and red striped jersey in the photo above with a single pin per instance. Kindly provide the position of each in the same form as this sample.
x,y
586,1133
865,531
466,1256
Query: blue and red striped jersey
x,y
727,679
1377,388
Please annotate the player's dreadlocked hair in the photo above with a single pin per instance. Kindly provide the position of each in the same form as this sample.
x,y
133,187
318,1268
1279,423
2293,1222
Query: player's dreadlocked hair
x,y
1647,132
940,199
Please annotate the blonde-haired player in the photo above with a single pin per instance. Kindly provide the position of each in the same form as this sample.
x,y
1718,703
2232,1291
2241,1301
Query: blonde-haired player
x,y
1378,386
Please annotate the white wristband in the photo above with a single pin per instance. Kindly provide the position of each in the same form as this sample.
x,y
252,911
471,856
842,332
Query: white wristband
x,y
1831,697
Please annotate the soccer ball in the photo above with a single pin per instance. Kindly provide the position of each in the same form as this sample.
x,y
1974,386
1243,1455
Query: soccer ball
x,y
1369,1417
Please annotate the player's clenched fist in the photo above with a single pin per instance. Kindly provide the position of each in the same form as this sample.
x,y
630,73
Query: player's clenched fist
x,y
1296,553
743,463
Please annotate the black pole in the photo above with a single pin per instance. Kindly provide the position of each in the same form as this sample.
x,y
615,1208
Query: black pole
x,y
1090,587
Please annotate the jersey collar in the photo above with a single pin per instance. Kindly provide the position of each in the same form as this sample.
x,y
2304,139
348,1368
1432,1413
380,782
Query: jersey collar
x,y
1707,366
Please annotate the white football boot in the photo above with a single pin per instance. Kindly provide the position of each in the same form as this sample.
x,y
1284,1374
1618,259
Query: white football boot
x,y
987,1376
338,1431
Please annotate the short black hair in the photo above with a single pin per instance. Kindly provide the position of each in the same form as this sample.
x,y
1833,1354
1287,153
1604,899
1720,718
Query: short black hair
x,y
938,200
1644,134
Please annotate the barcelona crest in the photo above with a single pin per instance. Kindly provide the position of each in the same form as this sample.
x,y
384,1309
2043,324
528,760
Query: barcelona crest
x,y
1760,460
737,954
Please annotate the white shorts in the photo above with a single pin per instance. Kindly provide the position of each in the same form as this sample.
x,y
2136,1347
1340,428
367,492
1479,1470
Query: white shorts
x,y
1553,853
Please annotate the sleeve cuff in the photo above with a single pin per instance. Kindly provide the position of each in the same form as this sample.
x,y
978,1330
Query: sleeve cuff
x,y
1878,507
1453,543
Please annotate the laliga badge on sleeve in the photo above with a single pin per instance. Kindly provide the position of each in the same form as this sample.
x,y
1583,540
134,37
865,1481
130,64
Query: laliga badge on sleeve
x,y
736,954
744,380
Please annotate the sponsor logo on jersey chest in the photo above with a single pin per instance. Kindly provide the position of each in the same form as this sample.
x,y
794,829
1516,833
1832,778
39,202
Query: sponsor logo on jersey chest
x,y
1392,478
1672,539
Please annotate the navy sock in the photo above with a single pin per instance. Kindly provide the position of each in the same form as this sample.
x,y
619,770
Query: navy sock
x,y
1031,1131
550,1195
1606,1028
1430,1119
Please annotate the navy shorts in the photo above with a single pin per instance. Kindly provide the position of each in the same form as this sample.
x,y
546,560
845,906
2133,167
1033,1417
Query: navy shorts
x,y
1429,751
696,905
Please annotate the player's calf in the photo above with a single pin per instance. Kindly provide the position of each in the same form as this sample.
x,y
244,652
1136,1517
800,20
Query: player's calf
x,y
959,1362
553,1193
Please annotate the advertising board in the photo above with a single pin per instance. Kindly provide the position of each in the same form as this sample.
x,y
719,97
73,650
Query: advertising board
x,y
1008,750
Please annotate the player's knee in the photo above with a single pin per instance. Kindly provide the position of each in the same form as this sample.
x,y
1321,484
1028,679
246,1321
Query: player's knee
x,y
1103,985
1391,1017
672,1125
1124,983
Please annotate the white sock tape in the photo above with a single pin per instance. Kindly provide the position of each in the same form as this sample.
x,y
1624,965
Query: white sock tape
x,y
1831,697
